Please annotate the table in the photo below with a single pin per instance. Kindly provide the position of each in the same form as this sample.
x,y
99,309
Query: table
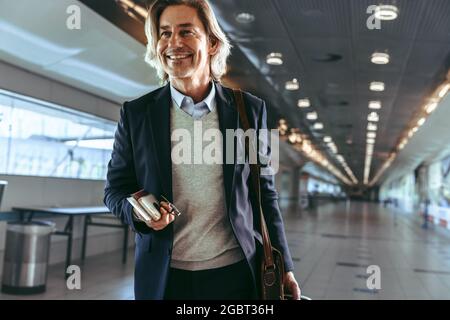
x,y
71,212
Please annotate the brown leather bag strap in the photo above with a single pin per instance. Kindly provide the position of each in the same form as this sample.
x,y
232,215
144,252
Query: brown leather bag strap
x,y
254,173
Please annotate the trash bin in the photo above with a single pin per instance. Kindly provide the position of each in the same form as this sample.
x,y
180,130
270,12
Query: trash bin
x,y
3,185
26,257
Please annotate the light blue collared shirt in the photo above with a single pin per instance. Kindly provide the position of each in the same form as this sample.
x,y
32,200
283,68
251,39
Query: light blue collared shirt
x,y
197,110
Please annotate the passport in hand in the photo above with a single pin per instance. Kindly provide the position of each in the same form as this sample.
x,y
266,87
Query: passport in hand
x,y
147,205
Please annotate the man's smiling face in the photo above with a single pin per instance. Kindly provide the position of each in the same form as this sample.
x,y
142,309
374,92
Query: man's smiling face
x,y
183,46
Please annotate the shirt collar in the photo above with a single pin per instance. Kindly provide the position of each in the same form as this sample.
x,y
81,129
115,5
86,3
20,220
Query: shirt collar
x,y
178,97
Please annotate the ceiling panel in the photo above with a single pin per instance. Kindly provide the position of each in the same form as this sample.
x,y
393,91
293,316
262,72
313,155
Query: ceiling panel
x,y
307,33
435,25
316,18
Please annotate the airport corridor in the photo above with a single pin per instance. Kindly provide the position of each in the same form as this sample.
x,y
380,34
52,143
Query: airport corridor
x,y
120,116
331,245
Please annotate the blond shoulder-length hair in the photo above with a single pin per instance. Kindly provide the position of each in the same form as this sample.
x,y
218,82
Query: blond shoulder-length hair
x,y
218,62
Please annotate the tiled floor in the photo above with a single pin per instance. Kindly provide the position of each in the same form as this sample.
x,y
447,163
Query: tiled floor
x,y
335,243
331,247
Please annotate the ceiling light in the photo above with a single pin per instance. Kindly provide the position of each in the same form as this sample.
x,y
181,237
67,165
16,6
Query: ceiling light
x,y
380,58
430,108
370,141
282,126
292,85
404,142
306,147
386,12
371,135
245,17
371,127
415,129
141,11
304,103
421,121
293,137
311,116
275,59
375,105
318,126
377,86
373,117
327,139
127,4
444,91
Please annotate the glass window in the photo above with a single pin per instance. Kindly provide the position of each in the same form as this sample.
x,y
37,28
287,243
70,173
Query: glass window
x,y
38,138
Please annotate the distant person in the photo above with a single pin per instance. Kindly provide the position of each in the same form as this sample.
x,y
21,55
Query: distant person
x,y
426,205
208,252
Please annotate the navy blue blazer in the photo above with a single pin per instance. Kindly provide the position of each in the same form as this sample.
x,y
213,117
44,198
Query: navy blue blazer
x,y
141,160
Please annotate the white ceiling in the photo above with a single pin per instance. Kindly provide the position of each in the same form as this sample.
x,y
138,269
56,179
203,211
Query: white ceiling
x,y
99,58
429,144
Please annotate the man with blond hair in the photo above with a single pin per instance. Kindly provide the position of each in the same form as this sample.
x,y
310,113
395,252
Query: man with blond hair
x,y
209,251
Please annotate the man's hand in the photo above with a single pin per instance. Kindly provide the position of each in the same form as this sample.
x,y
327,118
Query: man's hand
x,y
167,217
291,285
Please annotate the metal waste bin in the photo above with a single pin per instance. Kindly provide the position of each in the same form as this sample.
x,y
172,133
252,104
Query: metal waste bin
x,y
26,257
3,185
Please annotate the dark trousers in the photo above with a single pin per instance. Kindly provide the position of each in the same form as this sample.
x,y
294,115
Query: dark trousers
x,y
233,282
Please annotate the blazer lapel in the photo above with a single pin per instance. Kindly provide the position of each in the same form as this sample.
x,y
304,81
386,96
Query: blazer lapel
x,y
228,119
158,113
159,116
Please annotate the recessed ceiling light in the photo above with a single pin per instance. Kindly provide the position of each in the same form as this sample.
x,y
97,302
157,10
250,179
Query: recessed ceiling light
x,y
282,126
275,59
371,127
421,121
380,58
414,129
371,135
304,103
292,85
141,10
370,141
375,105
293,137
318,126
311,116
431,107
386,12
444,91
373,117
245,17
377,86
327,139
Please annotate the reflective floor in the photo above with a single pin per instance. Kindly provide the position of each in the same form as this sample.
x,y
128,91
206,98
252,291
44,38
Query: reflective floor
x,y
332,246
